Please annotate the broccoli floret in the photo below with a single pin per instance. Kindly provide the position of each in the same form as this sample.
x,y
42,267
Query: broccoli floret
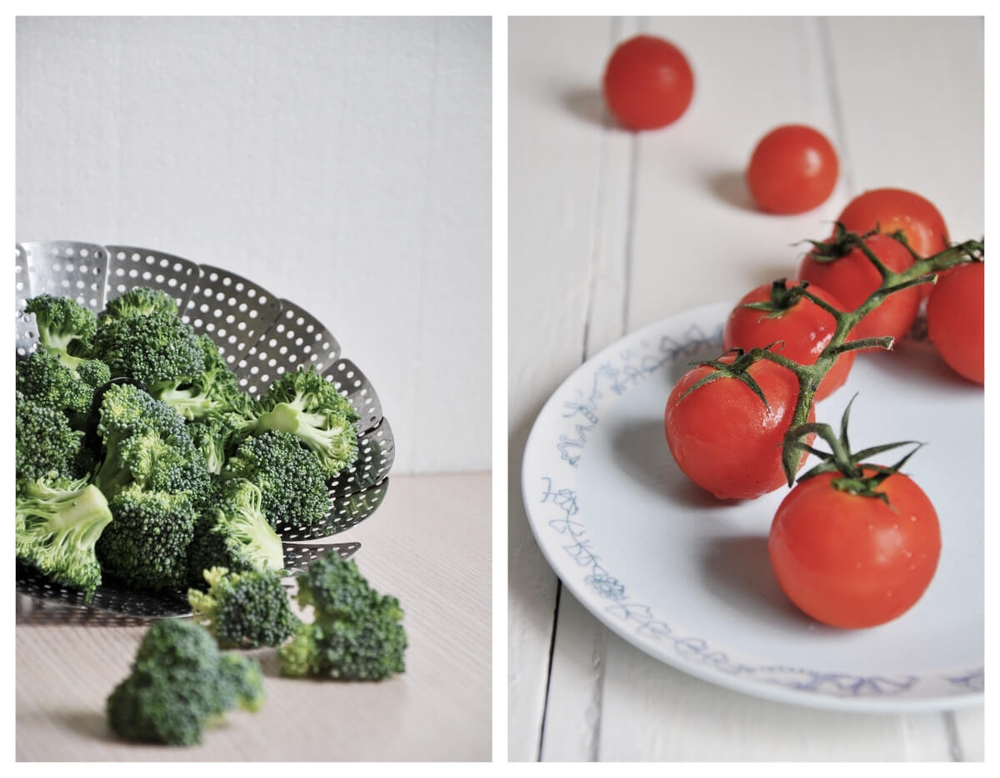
x,y
213,392
149,347
146,544
139,301
290,478
179,685
216,438
46,378
244,610
356,633
64,326
45,444
236,534
305,404
58,523
147,443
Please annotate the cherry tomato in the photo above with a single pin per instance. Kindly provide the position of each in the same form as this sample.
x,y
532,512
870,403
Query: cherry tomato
x,y
648,83
898,209
804,329
852,561
722,435
956,318
793,169
852,278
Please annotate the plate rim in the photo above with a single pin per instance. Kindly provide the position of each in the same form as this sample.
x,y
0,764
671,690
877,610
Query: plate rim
x,y
685,321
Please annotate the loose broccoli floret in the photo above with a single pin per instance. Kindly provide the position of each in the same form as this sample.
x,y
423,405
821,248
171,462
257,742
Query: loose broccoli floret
x,y
244,610
356,633
146,545
290,478
236,534
216,438
139,301
180,684
147,443
64,326
45,445
149,348
58,523
307,405
46,378
213,392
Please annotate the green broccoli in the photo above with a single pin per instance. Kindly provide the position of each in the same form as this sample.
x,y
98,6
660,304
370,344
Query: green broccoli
x,y
146,545
149,347
46,378
356,633
138,301
57,526
244,610
64,326
179,685
216,438
147,443
236,534
305,404
213,392
290,478
45,444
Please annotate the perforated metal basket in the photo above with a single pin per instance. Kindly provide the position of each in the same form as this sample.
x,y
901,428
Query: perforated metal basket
x,y
261,336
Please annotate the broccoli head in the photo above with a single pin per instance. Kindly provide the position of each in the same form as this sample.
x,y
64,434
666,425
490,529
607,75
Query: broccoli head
x,y
213,392
146,544
149,348
46,378
216,438
64,326
148,444
356,633
138,301
289,477
244,610
45,444
179,685
57,526
305,404
235,534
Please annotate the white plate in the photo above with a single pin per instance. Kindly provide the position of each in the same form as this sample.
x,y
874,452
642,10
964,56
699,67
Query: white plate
x,y
687,579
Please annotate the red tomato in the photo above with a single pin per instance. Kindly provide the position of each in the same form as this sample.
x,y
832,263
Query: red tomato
x,y
648,83
956,319
898,209
852,561
804,330
852,278
793,169
724,438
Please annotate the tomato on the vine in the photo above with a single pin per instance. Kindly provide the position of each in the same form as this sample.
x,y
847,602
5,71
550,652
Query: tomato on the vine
x,y
800,328
648,83
851,560
956,318
891,210
722,434
793,169
852,278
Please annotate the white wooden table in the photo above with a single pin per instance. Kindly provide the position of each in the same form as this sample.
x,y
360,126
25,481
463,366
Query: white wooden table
x,y
609,231
428,544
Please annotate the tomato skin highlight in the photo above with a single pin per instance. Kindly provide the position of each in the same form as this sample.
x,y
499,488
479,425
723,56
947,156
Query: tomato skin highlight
x,y
648,83
793,169
804,329
852,278
724,438
956,320
898,209
852,561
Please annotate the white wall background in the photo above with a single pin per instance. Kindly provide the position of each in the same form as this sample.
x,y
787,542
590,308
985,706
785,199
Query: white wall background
x,y
343,164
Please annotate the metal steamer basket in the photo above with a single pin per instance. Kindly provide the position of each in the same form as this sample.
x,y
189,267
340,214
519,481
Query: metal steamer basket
x,y
261,337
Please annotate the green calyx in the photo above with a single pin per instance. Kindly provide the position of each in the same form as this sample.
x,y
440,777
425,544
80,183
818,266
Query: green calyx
x,y
738,369
782,298
856,476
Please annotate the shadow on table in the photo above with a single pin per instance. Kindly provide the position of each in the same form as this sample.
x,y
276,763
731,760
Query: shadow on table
x,y
586,103
730,187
